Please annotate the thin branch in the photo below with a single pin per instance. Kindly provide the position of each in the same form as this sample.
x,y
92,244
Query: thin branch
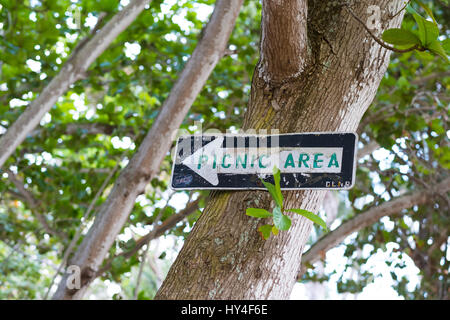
x,y
87,128
88,170
373,117
13,250
381,114
86,39
33,204
17,195
378,40
168,224
400,11
144,255
431,76
362,220
368,149
30,200
86,215
31,257
437,243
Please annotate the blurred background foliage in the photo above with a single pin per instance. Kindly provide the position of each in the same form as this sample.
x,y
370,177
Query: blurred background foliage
x,y
54,176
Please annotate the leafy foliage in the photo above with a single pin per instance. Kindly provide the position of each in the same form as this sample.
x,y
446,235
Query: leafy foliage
x,y
427,37
280,220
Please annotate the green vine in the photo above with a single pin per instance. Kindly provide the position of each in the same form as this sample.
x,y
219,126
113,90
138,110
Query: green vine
x,y
280,220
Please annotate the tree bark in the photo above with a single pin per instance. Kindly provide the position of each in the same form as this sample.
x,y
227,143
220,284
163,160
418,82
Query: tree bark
x,y
367,218
73,69
224,257
283,40
145,163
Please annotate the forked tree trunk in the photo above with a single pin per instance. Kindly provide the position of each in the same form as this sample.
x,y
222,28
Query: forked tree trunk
x,y
324,86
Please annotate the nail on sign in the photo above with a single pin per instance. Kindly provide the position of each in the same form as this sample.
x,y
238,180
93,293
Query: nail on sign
x,y
233,162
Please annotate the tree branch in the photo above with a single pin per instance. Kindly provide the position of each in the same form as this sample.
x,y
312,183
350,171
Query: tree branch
x,y
435,75
400,11
87,128
86,215
33,204
158,231
72,70
368,149
378,40
144,255
146,162
362,220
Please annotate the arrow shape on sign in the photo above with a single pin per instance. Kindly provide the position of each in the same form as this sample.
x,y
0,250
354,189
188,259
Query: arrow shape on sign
x,y
205,170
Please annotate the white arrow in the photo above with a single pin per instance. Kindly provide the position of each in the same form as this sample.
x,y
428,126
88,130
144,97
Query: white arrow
x,y
206,170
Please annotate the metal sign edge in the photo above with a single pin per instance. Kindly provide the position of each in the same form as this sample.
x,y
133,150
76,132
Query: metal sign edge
x,y
280,134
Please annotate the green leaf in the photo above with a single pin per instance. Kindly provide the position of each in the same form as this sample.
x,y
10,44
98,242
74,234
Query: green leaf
x,y
285,222
311,216
425,56
427,10
428,31
258,213
142,296
162,255
277,215
400,37
277,178
410,9
265,231
281,221
446,45
272,190
437,48
117,263
275,230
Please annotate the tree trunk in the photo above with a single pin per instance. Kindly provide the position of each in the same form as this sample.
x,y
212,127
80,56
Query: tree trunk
x,y
145,163
327,88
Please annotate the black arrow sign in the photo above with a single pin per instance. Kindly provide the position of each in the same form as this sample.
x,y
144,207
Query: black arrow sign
x,y
233,162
